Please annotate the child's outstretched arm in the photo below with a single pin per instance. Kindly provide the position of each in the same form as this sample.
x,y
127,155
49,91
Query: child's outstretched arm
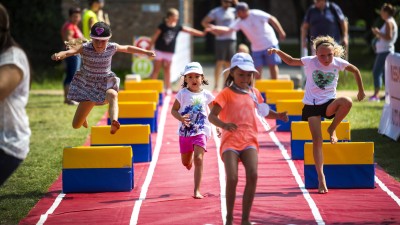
x,y
357,76
286,58
133,49
73,50
193,31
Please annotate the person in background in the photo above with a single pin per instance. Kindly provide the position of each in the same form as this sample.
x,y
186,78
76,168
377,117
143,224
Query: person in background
x,y
234,112
102,16
90,17
14,92
258,26
324,18
225,44
386,37
70,32
190,109
320,101
164,41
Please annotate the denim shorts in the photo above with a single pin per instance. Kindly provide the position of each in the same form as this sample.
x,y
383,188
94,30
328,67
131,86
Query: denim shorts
x,y
262,58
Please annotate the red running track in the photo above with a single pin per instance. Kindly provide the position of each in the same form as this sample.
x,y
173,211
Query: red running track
x,y
280,197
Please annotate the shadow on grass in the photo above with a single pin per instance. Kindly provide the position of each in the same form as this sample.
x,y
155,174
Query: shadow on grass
x,y
387,151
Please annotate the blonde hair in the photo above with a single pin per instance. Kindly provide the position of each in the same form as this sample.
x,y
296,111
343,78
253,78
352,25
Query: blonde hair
x,y
172,12
338,50
243,48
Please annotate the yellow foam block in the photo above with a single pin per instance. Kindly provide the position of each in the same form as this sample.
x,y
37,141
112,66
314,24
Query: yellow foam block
x,y
264,85
274,95
292,107
138,95
127,134
97,157
343,153
301,130
157,85
137,109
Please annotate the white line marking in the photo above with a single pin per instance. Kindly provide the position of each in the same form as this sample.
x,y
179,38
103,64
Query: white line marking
x,y
156,153
306,194
387,190
53,207
221,172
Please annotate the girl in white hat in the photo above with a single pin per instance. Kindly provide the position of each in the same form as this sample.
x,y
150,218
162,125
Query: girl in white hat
x,y
190,108
234,111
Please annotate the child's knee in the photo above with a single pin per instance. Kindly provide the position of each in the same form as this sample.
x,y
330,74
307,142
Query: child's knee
x,y
112,94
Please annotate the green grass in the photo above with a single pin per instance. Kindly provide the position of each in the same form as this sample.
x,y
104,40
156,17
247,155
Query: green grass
x,y
50,122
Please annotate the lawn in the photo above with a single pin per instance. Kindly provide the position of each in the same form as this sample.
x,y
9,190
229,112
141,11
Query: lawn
x,y
50,121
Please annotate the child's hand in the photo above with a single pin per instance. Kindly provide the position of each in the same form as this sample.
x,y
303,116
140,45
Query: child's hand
x,y
151,53
360,95
186,120
55,57
218,132
272,51
229,126
283,116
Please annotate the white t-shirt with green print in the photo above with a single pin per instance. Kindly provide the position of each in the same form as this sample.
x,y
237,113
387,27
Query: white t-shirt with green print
x,y
321,81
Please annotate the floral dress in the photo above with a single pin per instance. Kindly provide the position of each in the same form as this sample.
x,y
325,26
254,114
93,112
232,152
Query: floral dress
x,y
95,77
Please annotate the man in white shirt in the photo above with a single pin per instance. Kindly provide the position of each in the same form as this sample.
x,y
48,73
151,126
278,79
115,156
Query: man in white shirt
x,y
258,26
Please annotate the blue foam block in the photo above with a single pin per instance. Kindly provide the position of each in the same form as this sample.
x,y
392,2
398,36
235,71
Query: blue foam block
x,y
141,152
97,180
285,126
342,176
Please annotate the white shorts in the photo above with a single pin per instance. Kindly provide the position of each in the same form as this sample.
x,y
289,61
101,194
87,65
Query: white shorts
x,y
163,56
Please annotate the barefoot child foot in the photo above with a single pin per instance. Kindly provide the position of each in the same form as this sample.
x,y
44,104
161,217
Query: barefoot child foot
x,y
332,135
197,195
114,126
322,188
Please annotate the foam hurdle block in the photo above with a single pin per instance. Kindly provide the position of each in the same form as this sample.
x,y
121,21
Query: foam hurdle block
x,y
137,113
157,85
138,95
300,134
293,109
136,136
346,165
274,95
264,85
97,169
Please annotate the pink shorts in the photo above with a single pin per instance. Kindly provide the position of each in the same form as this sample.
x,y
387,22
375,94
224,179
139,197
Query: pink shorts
x,y
186,144
163,56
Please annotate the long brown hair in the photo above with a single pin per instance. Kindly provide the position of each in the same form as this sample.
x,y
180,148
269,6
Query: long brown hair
x,y
6,40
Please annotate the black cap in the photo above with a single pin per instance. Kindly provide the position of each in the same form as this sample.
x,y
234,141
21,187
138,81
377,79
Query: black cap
x,y
100,31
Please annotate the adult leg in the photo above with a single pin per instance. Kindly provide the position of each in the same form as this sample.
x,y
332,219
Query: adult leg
x,y
219,66
314,123
273,71
156,69
81,114
198,170
259,75
250,161
340,107
167,75
112,99
230,159
378,73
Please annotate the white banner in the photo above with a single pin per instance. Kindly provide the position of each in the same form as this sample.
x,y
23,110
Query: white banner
x,y
390,119
182,55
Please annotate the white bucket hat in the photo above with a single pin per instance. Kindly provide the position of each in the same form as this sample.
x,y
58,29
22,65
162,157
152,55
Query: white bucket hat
x,y
244,61
193,67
